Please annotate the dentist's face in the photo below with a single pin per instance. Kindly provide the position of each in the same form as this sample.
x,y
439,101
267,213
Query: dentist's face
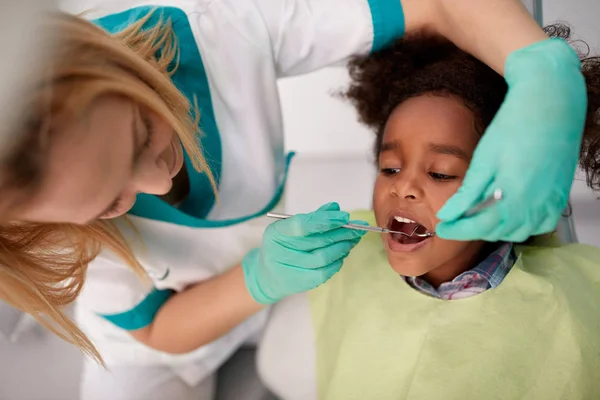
x,y
427,146
95,166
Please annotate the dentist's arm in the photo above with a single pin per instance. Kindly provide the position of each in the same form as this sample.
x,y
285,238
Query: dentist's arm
x,y
488,29
200,314
297,255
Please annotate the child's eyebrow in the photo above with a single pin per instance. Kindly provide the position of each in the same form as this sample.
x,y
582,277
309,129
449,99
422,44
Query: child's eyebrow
x,y
389,146
449,150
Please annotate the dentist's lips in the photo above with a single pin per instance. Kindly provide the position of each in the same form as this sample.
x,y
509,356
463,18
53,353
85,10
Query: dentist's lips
x,y
402,243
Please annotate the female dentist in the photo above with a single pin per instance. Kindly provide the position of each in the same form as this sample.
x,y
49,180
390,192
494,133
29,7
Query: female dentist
x,y
111,128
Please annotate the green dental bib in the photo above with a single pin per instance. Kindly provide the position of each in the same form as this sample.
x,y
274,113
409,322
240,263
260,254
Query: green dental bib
x,y
536,336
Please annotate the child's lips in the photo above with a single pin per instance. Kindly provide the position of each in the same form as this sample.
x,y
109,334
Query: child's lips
x,y
396,219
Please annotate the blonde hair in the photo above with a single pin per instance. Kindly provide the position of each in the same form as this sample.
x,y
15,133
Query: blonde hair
x,y
43,266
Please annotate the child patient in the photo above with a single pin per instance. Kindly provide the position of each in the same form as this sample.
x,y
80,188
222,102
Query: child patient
x,y
465,320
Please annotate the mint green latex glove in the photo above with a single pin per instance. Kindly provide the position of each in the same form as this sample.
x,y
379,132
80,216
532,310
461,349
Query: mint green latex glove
x,y
530,151
299,254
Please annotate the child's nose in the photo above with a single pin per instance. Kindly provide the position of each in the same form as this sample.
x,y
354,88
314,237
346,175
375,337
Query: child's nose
x,y
407,188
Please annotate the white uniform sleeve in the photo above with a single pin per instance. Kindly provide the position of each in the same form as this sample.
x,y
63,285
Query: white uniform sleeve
x,y
302,35
307,35
114,292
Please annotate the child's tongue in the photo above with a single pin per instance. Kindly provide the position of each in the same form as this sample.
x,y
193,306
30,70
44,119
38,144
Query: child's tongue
x,y
406,239
408,228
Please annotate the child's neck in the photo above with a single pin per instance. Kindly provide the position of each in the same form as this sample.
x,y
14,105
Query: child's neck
x,y
453,268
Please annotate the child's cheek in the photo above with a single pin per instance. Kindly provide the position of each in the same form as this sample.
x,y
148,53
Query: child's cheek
x,y
379,209
442,195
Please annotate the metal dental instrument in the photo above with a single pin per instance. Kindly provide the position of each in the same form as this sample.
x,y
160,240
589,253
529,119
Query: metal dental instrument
x,y
493,199
363,227
497,196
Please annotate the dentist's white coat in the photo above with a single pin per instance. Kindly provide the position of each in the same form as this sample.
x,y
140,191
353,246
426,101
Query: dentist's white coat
x,y
245,46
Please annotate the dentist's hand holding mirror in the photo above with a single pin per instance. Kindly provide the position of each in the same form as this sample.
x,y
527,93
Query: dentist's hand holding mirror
x,y
530,151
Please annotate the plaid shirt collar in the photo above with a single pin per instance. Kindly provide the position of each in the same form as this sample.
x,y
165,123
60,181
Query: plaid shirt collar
x,y
488,274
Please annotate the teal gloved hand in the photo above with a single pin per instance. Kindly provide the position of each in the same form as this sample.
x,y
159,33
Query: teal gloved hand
x,y
530,151
299,254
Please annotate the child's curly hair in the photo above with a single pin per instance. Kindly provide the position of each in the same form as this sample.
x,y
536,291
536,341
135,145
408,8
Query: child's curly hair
x,y
417,65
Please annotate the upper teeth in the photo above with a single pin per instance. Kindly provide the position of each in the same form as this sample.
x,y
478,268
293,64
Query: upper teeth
x,y
405,220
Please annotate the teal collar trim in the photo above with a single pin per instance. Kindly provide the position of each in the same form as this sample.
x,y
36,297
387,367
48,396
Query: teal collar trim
x,y
176,216
141,315
190,78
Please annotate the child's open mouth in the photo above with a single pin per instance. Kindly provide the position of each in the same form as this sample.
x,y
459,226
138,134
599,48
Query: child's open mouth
x,y
399,242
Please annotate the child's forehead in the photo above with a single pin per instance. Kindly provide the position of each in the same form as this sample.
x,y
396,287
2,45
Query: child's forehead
x,y
431,119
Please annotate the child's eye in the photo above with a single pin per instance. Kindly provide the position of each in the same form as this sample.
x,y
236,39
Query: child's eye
x,y
441,177
389,171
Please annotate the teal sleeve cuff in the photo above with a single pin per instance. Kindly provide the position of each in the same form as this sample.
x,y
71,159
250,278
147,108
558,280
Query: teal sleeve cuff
x,y
388,22
141,315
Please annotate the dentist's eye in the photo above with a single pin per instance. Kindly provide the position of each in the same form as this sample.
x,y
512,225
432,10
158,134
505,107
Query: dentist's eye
x,y
149,131
389,171
441,177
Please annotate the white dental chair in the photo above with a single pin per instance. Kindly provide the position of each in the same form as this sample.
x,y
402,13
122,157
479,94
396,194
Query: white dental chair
x,y
566,226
